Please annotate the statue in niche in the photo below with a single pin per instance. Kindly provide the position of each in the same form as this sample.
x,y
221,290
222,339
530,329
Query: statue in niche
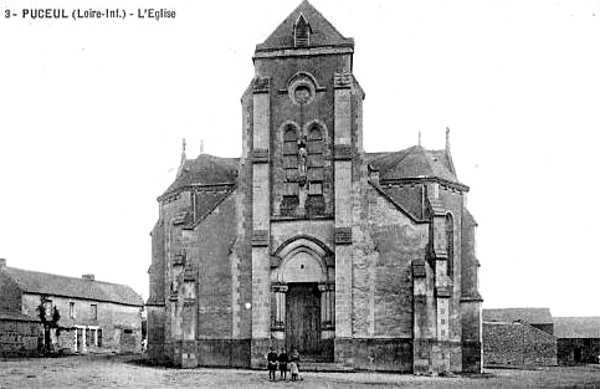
x,y
302,154
302,94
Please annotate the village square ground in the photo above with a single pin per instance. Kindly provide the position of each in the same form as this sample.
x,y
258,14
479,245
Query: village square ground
x,y
108,371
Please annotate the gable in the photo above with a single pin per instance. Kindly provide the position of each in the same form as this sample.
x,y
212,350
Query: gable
x,y
323,33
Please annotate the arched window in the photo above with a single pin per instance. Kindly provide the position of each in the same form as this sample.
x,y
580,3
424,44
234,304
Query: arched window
x,y
315,158
302,32
315,203
289,202
450,244
290,153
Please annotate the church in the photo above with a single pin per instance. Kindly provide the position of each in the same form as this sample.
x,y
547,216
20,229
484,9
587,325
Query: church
x,y
307,241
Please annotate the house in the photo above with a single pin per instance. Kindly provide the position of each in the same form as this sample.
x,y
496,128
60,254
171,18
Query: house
x,y
518,336
308,241
578,339
95,316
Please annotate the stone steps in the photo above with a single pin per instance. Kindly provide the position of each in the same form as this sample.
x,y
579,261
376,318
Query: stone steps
x,y
324,367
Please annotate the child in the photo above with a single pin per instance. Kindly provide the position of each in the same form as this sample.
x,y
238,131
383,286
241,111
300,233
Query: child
x,y
283,361
272,363
294,364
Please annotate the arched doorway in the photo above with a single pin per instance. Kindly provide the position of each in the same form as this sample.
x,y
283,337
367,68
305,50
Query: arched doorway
x,y
303,282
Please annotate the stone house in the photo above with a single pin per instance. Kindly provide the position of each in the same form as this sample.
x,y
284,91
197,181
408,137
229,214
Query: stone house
x,y
95,316
307,241
578,339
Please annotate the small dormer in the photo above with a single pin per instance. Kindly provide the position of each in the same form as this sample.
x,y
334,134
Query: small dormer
x,y
302,31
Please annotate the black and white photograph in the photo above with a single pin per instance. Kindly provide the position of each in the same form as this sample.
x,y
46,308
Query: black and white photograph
x,y
293,193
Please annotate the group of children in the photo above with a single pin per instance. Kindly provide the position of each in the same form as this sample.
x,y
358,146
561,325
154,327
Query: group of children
x,y
281,360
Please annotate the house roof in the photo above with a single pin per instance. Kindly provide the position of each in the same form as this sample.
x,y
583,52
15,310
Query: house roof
x,y
16,316
509,315
206,170
323,33
51,284
414,162
577,327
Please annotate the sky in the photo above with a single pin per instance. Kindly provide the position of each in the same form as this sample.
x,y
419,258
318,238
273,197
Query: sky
x,y
93,113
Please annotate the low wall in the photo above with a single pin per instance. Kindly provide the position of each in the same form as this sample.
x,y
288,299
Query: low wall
x,y
20,338
517,344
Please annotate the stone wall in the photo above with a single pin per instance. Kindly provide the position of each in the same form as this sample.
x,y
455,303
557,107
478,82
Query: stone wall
x,y
19,338
387,241
517,344
214,240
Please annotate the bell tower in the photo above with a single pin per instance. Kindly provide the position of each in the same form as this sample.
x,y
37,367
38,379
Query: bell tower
x,y
303,140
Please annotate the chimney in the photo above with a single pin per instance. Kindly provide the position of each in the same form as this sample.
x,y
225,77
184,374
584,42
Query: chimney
x,y
2,262
88,277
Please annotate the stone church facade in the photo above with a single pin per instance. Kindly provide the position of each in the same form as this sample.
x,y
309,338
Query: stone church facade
x,y
307,241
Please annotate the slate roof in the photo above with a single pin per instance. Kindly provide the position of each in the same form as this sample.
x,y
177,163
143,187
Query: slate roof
x,y
16,316
414,162
577,327
509,315
323,33
51,284
206,170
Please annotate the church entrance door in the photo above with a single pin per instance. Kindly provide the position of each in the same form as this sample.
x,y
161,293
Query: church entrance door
x,y
303,322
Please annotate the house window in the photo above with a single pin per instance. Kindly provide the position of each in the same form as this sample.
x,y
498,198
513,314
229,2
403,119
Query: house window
x,y
72,310
94,311
48,308
450,244
89,337
99,337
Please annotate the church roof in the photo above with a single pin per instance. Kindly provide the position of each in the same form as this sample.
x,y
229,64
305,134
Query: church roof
x,y
206,170
509,315
577,327
51,284
414,162
323,33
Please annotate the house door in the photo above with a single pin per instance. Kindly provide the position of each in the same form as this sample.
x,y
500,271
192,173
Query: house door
x,y
79,337
303,321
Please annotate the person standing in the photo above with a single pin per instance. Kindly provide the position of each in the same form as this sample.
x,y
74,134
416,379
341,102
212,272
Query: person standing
x,y
272,363
283,361
294,364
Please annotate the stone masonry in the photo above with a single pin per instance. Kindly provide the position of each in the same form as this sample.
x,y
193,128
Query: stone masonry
x,y
307,241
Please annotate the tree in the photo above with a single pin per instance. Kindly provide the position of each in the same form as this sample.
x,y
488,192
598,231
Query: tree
x,y
49,323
